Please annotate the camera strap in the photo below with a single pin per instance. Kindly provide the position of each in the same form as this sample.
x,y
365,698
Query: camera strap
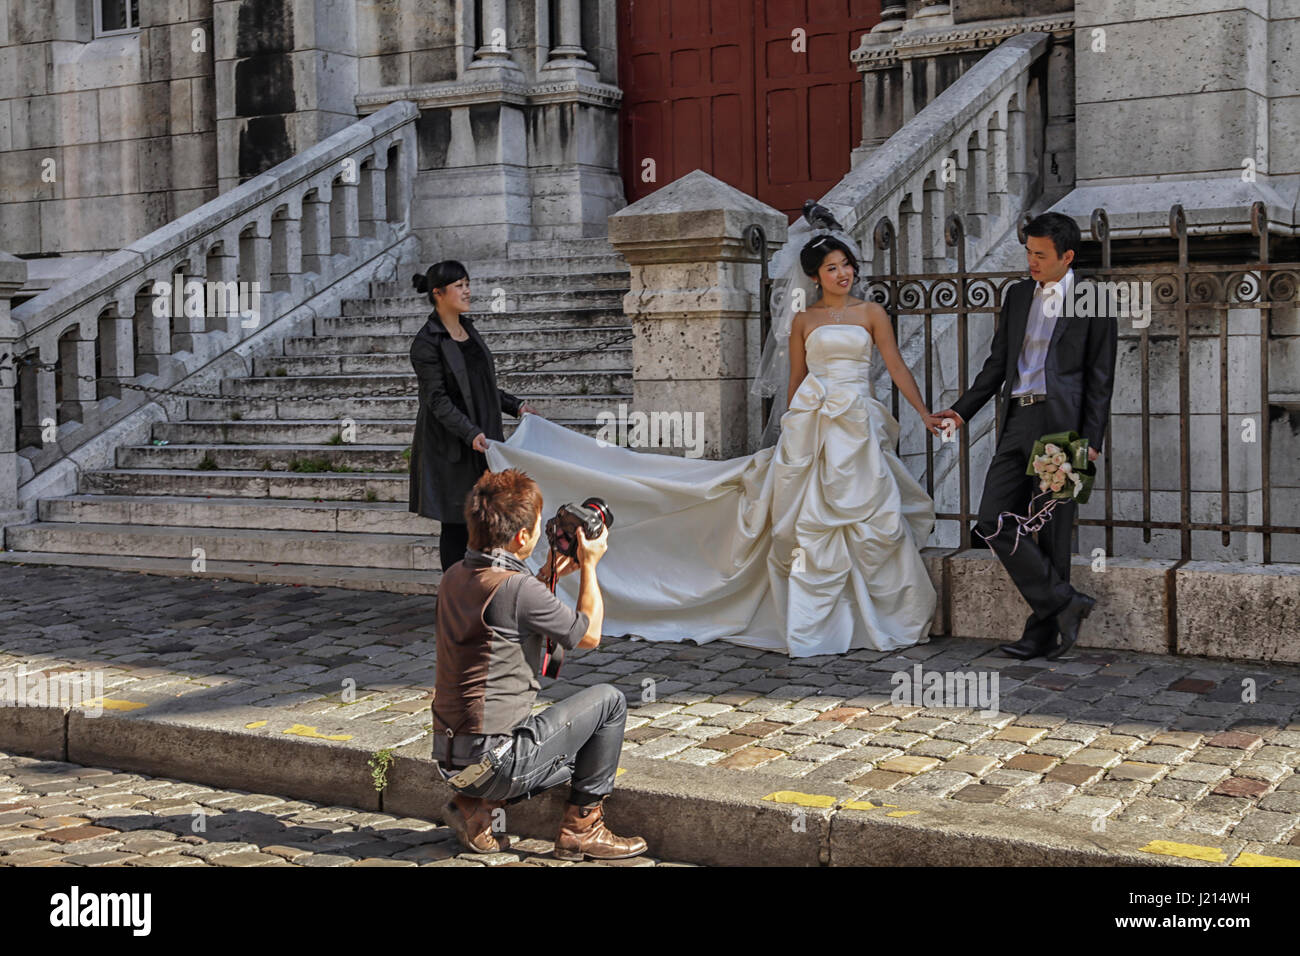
x,y
549,649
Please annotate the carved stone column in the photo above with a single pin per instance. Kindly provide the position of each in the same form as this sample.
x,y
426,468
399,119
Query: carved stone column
x,y
569,54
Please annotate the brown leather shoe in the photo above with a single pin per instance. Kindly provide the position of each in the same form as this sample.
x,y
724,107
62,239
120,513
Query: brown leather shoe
x,y
471,818
583,833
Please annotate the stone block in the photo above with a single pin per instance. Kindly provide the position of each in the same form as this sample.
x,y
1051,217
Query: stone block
x,y
1239,611
1132,612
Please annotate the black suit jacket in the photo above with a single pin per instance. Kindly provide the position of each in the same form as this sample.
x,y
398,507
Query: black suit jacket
x,y
453,409
1079,370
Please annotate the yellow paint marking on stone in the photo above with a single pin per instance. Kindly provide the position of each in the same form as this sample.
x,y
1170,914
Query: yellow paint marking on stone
x,y
1255,859
255,724
859,805
901,813
302,730
1189,851
801,799
109,703
620,771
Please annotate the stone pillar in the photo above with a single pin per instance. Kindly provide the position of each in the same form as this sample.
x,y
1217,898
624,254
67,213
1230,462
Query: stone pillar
x,y
223,267
255,263
286,250
115,350
932,13
76,360
893,13
882,103
343,217
153,334
494,46
371,206
316,243
13,273
694,305
569,54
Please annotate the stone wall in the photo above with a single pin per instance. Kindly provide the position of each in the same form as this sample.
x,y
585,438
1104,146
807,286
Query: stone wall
x,y
106,138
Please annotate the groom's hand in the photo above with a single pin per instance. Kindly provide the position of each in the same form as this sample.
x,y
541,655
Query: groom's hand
x,y
948,422
1093,454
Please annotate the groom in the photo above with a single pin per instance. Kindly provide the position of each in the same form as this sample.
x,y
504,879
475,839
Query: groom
x,y
1055,371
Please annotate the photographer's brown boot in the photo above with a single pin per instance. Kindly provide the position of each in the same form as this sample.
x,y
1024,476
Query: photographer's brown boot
x,y
583,833
471,818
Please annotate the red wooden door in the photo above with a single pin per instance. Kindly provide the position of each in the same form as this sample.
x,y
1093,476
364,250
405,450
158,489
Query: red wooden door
x,y
719,85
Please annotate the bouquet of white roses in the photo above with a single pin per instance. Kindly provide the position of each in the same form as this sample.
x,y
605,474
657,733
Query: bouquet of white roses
x,y
1060,463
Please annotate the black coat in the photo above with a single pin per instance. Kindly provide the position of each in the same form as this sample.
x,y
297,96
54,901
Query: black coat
x,y
1079,370
453,409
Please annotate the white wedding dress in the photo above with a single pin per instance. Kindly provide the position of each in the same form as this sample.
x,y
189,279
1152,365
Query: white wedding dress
x,y
809,547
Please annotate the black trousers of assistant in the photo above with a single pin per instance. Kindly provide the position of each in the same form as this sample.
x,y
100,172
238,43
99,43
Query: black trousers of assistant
x,y
453,540
577,740
1040,569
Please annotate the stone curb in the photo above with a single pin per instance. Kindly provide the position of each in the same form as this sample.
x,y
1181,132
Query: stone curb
x,y
710,816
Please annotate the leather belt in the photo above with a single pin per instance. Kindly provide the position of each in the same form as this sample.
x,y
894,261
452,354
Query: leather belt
x,y
1029,399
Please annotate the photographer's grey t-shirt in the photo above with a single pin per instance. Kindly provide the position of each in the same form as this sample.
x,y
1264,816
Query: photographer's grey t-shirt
x,y
524,614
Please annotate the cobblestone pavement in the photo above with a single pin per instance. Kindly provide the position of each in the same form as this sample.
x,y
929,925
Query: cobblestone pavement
x,y
1201,746
62,814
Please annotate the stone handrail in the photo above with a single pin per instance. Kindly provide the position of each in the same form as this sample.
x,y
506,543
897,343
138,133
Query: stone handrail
x,y
243,260
964,152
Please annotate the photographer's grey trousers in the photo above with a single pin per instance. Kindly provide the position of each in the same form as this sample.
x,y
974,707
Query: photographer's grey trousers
x,y
578,740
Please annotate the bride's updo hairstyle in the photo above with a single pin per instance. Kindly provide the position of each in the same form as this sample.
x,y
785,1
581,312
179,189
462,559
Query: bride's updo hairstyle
x,y
815,252
439,276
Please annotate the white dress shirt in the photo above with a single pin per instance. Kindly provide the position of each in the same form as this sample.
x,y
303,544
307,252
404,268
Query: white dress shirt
x,y
1038,334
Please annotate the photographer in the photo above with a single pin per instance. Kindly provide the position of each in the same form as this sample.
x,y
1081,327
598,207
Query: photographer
x,y
493,620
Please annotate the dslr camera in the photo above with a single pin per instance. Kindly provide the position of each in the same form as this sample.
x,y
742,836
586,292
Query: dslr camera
x,y
562,534
562,530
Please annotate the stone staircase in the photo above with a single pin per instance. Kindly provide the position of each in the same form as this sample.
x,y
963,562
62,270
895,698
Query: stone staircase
x,y
262,485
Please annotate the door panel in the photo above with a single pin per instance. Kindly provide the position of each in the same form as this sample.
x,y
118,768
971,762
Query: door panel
x,y
717,85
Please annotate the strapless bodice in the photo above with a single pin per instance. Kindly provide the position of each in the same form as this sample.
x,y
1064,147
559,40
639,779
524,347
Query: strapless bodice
x,y
841,355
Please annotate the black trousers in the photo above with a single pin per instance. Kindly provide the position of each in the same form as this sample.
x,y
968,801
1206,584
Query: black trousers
x,y
576,740
453,540
1040,569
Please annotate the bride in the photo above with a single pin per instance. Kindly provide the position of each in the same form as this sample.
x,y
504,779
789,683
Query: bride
x,y
811,546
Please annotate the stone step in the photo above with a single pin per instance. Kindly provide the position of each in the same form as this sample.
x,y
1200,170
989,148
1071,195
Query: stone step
x,y
393,580
265,513
326,486
270,432
498,340
338,549
557,407
564,275
615,358
411,321
396,432
550,298
542,382
298,459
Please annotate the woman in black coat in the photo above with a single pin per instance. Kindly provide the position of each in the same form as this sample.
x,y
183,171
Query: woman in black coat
x,y
460,407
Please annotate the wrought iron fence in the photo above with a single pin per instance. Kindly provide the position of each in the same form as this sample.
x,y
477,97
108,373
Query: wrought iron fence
x,y
1192,303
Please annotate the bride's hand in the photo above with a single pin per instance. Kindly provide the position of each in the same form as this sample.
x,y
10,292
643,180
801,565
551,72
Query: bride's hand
x,y
933,423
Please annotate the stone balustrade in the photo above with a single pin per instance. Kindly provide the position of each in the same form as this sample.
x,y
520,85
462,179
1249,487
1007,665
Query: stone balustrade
x,y
967,151
153,312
